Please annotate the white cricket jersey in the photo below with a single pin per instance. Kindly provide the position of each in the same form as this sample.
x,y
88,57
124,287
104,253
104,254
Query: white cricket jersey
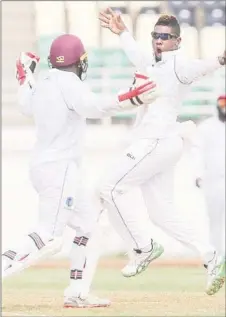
x,y
60,104
209,150
173,76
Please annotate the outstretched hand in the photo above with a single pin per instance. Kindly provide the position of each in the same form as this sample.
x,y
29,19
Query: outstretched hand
x,y
112,20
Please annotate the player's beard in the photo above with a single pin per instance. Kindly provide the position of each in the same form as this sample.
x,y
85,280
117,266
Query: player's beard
x,y
158,55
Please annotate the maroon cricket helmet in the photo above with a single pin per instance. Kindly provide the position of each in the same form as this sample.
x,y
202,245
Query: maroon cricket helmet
x,y
66,50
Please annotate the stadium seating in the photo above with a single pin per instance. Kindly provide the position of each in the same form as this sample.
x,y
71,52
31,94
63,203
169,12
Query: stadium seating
x,y
189,44
212,4
17,24
121,6
183,4
108,58
111,40
214,12
49,17
109,69
111,4
48,26
139,6
184,12
83,21
214,17
144,27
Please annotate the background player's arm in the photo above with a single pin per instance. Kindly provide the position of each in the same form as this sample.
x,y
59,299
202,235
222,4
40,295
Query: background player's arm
x,y
189,71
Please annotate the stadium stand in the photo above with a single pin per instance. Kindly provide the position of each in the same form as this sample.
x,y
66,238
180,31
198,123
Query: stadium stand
x,y
189,44
46,23
144,6
184,12
109,68
212,40
144,26
110,40
17,34
86,28
214,13
120,5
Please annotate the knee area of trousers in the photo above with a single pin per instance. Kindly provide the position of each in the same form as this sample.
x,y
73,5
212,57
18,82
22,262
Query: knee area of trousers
x,y
48,235
109,192
41,239
82,233
105,193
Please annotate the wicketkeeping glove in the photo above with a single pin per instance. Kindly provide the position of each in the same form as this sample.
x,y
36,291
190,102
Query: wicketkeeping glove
x,y
25,67
141,92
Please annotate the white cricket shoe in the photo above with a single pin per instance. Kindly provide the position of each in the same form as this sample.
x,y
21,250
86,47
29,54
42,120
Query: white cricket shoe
x,y
216,274
15,266
87,302
140,261
6,263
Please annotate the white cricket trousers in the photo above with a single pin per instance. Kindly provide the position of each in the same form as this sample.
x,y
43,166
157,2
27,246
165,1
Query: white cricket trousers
x,y
149,164
63,199
214,191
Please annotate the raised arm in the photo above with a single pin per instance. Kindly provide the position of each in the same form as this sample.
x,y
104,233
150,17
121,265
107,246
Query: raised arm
x,y
25,67
113,21
192,70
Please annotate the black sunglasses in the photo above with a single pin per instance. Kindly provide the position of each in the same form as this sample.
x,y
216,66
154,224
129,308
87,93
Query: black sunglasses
x,y
163,36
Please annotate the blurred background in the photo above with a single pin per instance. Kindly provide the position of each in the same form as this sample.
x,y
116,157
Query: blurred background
x,y
31,26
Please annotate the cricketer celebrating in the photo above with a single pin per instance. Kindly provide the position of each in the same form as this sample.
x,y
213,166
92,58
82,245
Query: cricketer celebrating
x,y
60,102
155,149
208,155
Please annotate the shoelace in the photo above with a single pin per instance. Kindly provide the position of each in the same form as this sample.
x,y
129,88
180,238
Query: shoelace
x,y
215,266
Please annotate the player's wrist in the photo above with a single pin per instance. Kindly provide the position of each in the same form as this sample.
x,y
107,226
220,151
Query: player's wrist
x,y
122,31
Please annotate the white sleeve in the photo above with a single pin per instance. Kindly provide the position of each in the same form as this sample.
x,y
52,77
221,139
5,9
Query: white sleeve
x,y
24,99
89,104
188,71
134,53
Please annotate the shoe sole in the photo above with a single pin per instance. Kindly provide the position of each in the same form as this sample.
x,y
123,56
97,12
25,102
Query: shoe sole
x,y
143,266
48,250
216,286
218,282
86,306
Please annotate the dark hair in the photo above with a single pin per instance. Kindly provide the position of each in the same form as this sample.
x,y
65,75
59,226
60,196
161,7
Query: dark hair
x,y
169,20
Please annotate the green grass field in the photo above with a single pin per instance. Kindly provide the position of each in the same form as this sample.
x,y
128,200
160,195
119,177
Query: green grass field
x,y
159,291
